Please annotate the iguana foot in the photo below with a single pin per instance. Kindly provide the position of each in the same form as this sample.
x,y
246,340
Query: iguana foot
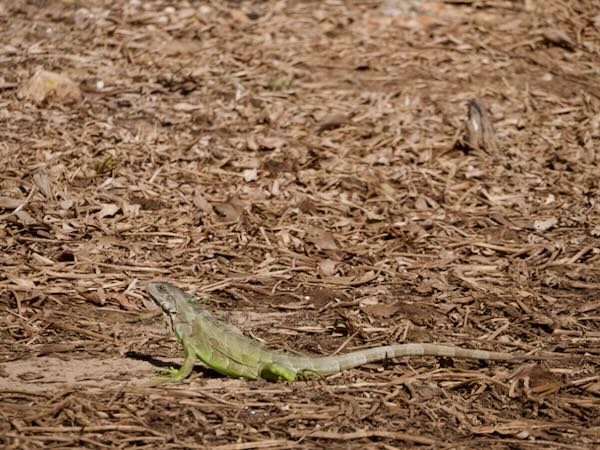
x,y
308,375
170,374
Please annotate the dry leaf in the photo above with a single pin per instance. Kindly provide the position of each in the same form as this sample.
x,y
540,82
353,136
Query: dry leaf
x,y
97,298
179,47
187,107
24,217
92,85
125,302
10,203
148,204
421,203
322,239
593,388
479,133
251,143
108,210
381,310
239,16
201,203
352,281
540,380
558,37
332,121
24,283
66,203
43,184
131,209
545,225
44,85
270,143
327,267
307,206
45,349
230,210
365,277
42,260
250,175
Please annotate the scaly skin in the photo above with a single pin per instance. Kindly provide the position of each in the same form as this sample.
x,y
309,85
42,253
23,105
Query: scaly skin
x,y
225,350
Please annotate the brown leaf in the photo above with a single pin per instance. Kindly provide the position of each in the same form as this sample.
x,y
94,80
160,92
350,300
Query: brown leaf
x,y
187,107
544,224
43,184
230,210
24,283
180,47
270,143
558,37
541,380
202,203
24,218
131,209
352,280
125,302
97,298
479,133
148,204
46,349
327,267
10,203
251,143
322,239
307,206
332,121
381,310
239,16
56,87
417,314
250,175
108,210
593,388
421,203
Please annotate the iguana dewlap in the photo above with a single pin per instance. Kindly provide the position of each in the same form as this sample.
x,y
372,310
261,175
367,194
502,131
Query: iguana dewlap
x,y
225,350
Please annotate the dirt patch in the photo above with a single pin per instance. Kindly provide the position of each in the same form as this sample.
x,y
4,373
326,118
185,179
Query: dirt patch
x,y
48,374
336,176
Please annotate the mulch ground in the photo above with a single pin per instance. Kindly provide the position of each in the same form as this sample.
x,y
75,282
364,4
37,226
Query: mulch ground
x,y
337,175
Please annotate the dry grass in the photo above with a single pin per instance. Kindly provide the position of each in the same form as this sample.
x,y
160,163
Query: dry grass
x,y
337,175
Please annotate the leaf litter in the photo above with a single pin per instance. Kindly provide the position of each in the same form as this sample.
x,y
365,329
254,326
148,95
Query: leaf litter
x,y
381,171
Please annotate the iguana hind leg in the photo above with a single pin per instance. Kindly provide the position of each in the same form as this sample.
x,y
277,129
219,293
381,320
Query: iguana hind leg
x,y
172,374
274,371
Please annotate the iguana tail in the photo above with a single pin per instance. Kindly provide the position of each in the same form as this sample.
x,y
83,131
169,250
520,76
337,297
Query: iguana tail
x,y
332,364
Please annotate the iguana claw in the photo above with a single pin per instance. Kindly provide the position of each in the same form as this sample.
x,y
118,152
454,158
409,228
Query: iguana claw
x,y
170,374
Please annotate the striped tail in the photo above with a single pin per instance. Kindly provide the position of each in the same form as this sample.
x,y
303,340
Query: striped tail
x,y
333,364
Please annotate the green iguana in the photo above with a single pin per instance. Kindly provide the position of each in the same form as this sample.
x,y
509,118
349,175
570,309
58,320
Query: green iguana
x,y
225,350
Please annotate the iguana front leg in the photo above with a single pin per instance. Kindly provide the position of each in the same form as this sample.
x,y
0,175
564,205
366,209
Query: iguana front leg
x,y
186,368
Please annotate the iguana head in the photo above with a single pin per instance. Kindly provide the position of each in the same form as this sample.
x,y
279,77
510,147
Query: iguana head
x,y
176,303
